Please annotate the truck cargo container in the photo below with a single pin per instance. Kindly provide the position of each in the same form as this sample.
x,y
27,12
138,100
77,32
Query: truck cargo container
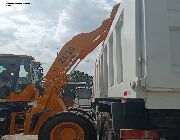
x,y
137,76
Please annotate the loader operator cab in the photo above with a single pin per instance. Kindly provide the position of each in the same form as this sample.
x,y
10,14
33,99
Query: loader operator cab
x,y
16,72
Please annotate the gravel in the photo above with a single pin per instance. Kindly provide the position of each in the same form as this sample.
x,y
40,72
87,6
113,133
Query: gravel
x,y
20,137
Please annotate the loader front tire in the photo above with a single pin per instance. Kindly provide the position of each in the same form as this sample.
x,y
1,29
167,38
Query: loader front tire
x,y
67,126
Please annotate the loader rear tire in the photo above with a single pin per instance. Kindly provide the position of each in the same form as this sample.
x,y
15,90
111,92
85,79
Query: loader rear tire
x,y
89,132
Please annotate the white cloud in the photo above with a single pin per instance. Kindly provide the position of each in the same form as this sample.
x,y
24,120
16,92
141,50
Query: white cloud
x,y
41,28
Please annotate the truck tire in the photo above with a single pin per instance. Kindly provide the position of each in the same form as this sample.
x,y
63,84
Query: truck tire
x,y
104,126
67,117
106,131
101,128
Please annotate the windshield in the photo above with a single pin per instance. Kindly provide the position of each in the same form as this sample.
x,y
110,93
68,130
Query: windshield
x,y
83,93
2,68
24,75
17,71
7,71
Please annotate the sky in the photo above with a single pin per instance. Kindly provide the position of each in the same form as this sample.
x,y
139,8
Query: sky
x,y
41,28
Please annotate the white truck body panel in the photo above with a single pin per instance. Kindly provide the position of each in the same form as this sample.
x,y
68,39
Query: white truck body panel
x,y
140,57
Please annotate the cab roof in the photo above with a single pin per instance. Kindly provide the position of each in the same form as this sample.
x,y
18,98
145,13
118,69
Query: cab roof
x,y
14,55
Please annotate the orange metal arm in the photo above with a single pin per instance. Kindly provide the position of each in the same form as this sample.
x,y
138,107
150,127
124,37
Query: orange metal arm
x,y
76,50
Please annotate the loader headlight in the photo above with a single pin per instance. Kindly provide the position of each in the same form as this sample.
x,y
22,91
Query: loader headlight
x,y
33,104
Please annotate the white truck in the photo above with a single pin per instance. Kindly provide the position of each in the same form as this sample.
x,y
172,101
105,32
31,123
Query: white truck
x,y
137,76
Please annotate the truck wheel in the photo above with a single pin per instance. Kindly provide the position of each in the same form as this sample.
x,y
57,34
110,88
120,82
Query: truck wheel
x,y
101,128
108,132
67,126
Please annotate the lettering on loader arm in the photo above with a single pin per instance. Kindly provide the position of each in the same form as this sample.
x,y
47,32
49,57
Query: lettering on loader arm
x,y
67,54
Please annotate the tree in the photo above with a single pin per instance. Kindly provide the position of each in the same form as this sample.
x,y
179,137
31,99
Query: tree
x,y
78,76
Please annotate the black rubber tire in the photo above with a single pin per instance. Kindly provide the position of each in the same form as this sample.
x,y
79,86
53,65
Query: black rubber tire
x,y
101,129
83,112
105,132
84,123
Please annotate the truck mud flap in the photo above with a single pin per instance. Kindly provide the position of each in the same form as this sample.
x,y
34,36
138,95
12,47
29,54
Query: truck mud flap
x,y
130,115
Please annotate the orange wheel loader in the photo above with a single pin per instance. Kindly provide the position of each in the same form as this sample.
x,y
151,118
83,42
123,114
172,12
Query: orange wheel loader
x,y
34,108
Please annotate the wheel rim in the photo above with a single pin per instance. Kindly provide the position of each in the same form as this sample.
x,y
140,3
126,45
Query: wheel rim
x,y
67,131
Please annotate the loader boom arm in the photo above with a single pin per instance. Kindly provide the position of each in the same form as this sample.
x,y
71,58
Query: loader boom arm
x,y
76,50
